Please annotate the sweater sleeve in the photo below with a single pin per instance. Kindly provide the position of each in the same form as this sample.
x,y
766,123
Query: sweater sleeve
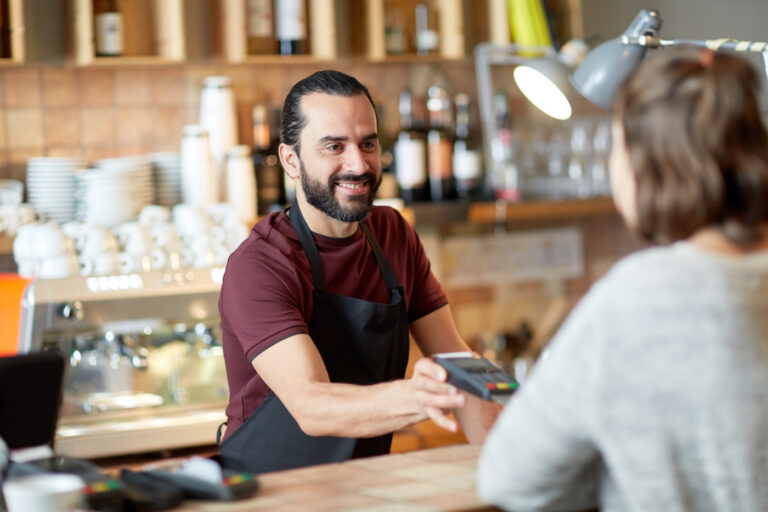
x,y
540,454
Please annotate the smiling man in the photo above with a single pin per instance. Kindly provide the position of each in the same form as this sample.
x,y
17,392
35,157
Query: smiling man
x,y
317,304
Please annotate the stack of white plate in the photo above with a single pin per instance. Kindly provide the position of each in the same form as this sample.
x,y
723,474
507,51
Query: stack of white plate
x,y
167,178
51,186
115,190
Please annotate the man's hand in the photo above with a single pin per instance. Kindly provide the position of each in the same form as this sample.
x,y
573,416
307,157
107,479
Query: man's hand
x,y
433,394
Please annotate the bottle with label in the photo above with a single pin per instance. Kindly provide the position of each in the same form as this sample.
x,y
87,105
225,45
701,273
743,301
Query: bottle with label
x,y
426,37
467,161
261,37
410,156
291,25
440,146
269,173
108,28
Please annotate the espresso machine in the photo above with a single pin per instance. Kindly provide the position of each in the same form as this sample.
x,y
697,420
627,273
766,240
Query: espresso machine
x,y
145,369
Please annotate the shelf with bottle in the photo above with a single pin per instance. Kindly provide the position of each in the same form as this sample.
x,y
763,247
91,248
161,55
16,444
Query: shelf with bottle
x,y
267,31
422,30
109,32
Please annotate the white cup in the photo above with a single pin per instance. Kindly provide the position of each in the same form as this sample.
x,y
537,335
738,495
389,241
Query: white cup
x,y
52,241
75,230
154,214
11,192
106,262
97,239
25,242
45,492
190,220
166,237
59,266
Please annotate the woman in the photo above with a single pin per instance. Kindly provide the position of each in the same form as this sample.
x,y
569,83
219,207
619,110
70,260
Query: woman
x,y
654,394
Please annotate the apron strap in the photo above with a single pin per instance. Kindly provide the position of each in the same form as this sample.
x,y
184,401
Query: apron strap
x,y
310,249
386,270
308,244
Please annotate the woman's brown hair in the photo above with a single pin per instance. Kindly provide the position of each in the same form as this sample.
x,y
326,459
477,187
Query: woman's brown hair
x,y
697,145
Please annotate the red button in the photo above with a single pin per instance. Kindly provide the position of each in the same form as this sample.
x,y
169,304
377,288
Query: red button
x,y
490,385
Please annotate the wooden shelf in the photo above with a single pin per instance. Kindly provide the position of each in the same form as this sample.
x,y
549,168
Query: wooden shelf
x,y
502,211
152,32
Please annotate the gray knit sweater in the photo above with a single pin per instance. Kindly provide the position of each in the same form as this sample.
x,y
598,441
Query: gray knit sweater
x,y
653,395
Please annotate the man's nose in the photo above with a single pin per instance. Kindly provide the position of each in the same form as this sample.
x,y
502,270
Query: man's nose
x,y
354,160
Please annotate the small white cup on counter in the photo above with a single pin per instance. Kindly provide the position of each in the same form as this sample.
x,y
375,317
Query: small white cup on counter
x,y
45,492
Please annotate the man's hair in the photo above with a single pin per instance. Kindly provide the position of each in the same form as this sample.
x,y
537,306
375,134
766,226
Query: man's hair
x,y
327,81
697,145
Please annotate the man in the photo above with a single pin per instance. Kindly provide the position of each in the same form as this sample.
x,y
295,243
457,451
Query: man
x,y
317,304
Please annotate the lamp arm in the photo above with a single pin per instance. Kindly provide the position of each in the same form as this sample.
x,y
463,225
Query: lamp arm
x,y
736,45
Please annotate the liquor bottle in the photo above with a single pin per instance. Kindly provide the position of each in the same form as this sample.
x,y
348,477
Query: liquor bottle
x,y
291,26
467,162
440,146
261,38
410,154
269,173
388,187
108,28
504,178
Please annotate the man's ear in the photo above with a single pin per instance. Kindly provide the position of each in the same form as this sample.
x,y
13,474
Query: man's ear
x,y
290,160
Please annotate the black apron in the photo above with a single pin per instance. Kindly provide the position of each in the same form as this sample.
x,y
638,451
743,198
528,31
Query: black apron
x,y
360,342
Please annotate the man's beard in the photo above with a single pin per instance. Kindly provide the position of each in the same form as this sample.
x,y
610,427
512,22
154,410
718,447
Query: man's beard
x,y
321,195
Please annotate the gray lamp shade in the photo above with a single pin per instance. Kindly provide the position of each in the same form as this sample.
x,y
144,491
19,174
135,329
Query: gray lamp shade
x,y
605,69
545,83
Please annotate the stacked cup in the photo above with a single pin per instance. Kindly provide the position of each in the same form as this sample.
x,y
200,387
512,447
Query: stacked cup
x,y
45,250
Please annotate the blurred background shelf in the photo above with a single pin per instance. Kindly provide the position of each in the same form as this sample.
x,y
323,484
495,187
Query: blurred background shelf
x,y
502,211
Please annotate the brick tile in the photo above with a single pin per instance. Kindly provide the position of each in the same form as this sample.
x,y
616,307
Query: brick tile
x,y
168,126
168,86
62,127
133,87
22,87
59,87
96,87
98,126
65,151
135,126
25,127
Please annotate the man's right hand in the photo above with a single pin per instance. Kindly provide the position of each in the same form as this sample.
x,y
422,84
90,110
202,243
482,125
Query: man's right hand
x,y
434,395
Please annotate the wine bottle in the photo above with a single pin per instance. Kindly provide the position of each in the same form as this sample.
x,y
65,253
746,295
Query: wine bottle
x,y
108,28
410,158
269,174
440,146
467,162
261,38
291,26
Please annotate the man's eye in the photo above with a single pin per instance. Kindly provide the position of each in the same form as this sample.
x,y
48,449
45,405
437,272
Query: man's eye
x,y
333,147
369,146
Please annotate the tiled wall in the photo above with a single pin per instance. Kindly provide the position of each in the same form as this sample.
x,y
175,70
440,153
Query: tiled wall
x,y
100,112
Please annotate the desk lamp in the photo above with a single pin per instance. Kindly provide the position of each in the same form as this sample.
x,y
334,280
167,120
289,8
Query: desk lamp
x,y
604,69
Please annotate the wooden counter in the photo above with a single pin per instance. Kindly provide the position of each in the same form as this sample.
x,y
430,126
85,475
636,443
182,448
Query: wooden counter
x,y
438,479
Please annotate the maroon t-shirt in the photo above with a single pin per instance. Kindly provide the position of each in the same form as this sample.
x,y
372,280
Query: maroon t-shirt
x,y
266,295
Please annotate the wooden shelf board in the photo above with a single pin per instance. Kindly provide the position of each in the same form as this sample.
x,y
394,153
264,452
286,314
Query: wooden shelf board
x,y
130,60
502,211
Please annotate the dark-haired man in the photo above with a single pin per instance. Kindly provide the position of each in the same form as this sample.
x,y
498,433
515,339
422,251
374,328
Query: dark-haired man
x,y
317,304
